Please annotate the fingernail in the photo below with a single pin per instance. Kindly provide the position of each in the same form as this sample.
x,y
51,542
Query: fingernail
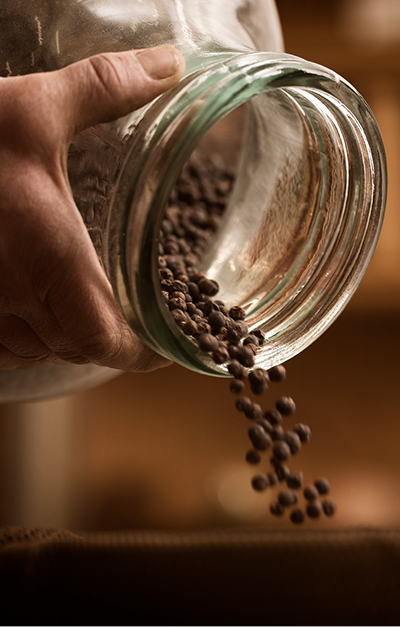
x,y
159,62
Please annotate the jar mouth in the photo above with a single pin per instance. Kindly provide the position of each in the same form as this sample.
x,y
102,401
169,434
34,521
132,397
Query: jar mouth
x,y
303,219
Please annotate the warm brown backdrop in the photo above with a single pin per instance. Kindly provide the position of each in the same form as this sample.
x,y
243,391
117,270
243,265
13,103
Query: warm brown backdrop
x,y
166,449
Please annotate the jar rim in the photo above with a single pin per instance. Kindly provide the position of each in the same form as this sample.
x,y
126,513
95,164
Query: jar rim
x,y
169,131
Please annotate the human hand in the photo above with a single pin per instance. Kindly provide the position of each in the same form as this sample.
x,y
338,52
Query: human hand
x,y
56,304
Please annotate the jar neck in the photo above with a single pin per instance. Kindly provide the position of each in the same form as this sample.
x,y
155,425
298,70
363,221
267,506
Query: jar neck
x,y
303,219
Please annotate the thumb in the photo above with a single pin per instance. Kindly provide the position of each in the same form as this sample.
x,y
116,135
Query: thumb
x,y
107,86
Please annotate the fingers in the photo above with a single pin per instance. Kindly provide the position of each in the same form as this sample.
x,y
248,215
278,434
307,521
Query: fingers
x,y
89,317
20,346
108,342
11,361
18,337
107,86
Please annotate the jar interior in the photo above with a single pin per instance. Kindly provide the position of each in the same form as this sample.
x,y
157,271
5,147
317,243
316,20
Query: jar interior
x,y
283,226
282,220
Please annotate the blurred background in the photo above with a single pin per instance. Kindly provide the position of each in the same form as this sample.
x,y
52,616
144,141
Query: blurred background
x,y
166,449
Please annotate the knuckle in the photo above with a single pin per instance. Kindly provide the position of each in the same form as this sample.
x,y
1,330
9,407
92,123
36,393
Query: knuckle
x,y
35,356
109,74
103,346
10,360
31,352
148,361
71,357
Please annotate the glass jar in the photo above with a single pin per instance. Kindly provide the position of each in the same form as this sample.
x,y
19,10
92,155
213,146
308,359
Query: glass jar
x,y
306,210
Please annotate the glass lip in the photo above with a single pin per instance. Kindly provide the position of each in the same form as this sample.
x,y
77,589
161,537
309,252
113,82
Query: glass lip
x,y
169,131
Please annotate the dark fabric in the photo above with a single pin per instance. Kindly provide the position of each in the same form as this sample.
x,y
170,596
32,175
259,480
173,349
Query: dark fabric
x,y
216,577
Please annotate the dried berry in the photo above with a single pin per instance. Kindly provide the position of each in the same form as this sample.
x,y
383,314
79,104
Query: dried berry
x,y
277,433
189,327
272,478
260,440
251,339
329,507
253,412
297,516
245,356
179,316
277,373
322,485
276,509
292,439
253,457
207,342
287,498
265,425
273,416
314,509
281,471
259,483
303,431
179,286
310,493
208,287
281,451
244,403
220,355
258,380
285,405
258,375
177,303
260,336
237,313
294,480
216,319
236,369
236,386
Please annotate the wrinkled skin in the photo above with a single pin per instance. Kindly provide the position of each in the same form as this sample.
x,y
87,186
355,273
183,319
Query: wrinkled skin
x,y
56,304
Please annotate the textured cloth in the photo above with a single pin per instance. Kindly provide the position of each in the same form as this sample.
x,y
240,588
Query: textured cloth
x,y
209,577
